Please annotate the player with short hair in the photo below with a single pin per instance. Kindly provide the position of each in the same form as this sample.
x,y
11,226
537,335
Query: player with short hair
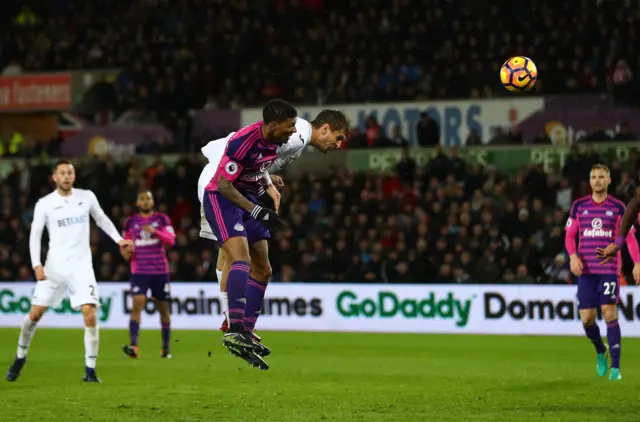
x,y
325,133
65,213
240,225
595,220
151,233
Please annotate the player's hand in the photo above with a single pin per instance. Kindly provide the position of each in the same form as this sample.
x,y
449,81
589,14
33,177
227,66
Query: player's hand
x,y
148,229
126,244
636,273
267,218
273,193
605,255
277,181
576,266
40,275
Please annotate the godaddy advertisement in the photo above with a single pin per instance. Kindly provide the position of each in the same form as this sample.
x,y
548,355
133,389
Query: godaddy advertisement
x,y
15,302
458,309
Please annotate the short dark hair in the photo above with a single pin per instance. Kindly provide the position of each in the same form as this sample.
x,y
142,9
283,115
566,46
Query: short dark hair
x,y
278,110
60,163
336,120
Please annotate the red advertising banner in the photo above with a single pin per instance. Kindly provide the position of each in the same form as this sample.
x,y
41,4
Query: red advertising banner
x,y
36,92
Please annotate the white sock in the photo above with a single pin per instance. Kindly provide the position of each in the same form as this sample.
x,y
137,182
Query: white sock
x,y
91,345
26,335
219,275
224,301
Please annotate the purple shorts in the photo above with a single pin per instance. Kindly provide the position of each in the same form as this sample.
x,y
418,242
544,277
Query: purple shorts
x,y
595,290
157,283
227,220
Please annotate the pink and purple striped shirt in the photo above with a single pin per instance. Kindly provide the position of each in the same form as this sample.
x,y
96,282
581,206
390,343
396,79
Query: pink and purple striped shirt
x,y
245,160
149,256
596,224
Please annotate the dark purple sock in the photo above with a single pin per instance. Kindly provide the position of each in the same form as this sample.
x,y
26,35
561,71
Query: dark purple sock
x,y
166,336
134,329
255,296
237,293
614,337
593,334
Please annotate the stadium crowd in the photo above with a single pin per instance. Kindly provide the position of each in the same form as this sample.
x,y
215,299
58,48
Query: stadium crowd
x,y
451,221
179,55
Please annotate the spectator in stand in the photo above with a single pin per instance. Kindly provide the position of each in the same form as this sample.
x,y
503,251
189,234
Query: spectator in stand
x,y
414,225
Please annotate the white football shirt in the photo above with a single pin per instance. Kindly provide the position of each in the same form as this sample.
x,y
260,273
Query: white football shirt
x,y
67,221
294,147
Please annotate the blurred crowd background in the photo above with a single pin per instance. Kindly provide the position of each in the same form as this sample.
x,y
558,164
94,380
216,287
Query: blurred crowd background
x,y
181,55
448,221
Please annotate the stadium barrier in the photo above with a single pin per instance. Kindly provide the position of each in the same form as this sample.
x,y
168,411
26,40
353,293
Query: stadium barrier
x,y
473,309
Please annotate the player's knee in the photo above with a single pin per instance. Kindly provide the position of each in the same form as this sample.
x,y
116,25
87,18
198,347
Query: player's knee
x,y
609,313
236,249
89,315
588,319
263,272
36,312
138,303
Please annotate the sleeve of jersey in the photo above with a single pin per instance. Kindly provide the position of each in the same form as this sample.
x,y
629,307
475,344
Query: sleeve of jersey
x,y
571,230
229,168
166,234
126,233
632,243
35,236
287,154
102,220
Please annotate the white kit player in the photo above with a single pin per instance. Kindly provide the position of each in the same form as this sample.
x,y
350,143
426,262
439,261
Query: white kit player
x,y
68,268
325,133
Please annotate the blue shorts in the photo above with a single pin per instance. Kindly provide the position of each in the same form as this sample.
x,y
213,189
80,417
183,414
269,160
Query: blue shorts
x,y
595,290
157,283
227,220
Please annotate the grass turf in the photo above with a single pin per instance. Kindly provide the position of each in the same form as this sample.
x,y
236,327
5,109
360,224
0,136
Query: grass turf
x,y
320,377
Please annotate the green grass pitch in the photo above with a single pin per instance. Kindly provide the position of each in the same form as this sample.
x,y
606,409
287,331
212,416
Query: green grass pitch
x,y
320,377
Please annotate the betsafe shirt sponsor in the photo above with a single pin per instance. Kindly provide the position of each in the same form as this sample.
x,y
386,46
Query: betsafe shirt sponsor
x,y
204,304
16,303
388,304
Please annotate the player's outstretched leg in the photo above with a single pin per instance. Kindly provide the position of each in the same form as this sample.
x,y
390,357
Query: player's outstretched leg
x,y
236,340
165,322
224,298
27,332
139,300
236,288
592,331
91,342
256,288
614,338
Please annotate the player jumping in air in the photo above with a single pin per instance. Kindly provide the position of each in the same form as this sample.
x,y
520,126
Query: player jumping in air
x,y
595,220
325,133
241,226
65,213
151,232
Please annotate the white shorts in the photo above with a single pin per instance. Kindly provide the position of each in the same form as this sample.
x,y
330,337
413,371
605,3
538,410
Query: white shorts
x,y
75,279
205,177
205,228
